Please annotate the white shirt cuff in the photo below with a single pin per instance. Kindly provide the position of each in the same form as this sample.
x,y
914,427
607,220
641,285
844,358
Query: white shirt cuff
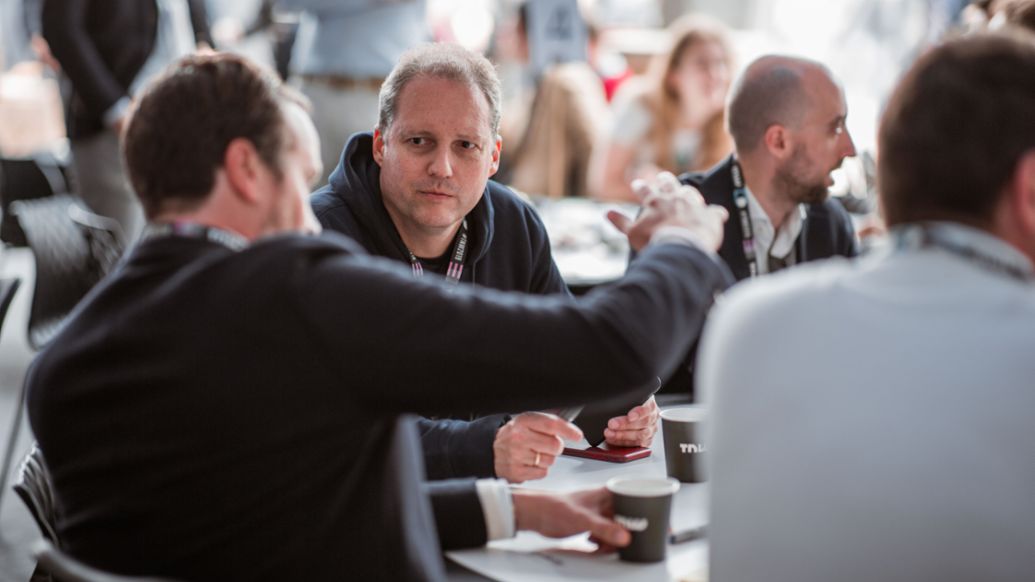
x,y
117,111
497,506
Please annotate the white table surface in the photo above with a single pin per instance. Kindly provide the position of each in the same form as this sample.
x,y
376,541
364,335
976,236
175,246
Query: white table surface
x,y
531,557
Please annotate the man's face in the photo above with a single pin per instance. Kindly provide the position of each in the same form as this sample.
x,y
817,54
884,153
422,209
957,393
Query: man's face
x,y
820,142
436,156
300,166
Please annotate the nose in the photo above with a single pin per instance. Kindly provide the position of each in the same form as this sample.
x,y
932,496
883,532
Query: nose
x,y
848,146
440,166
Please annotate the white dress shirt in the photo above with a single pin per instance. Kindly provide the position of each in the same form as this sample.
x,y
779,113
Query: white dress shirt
x,y
772,242
497,507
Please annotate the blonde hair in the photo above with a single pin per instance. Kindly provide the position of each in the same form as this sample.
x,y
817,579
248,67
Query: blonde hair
x,y
663,101
441,61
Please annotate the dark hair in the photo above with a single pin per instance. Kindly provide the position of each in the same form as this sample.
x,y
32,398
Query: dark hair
x,y
179,131
955,129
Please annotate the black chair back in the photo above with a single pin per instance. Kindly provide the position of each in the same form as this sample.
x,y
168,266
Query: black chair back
x,y
25,179
73,249
35,488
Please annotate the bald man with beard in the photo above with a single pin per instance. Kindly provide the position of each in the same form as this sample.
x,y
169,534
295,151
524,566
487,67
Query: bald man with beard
x,y
787,118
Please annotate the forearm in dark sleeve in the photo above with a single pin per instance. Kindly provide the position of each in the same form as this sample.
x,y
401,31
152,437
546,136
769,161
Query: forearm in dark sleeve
x,y
458,514
457,448
434,348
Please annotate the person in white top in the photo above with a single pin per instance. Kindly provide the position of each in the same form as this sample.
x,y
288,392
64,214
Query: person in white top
x,y
873,420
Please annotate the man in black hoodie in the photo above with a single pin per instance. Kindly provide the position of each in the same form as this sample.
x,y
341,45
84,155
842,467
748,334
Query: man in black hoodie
x,y
417,190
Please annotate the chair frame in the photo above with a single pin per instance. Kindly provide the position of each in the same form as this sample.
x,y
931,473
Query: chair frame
x,y
8,289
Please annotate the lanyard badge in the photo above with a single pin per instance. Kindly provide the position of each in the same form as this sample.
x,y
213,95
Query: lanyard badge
x,y
740,200
456,260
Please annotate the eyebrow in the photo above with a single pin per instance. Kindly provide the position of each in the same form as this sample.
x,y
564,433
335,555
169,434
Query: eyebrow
x,y
465,136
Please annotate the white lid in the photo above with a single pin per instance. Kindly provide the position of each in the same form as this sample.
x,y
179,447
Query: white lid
x,y
643,486
685,414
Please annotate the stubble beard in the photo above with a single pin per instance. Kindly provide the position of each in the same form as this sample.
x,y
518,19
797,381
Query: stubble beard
x,y
791,180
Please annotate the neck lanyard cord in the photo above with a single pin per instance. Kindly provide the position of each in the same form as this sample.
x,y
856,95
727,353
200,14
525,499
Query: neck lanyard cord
x,y
456,260
230,240
740,200
923,236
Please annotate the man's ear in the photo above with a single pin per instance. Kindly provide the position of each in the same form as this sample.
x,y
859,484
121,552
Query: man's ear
x,y
497,148
777,141
1022,195
379,147
241,162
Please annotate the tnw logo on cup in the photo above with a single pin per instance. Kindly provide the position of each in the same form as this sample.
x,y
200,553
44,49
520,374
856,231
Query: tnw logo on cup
x,y
691,448
632,523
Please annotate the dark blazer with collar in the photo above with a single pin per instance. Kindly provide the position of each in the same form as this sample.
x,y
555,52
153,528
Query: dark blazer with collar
x,y
102,45
211,414
826,232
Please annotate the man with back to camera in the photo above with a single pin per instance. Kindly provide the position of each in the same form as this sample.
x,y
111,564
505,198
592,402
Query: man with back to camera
x,y
417,190
787,119
230,403
884,429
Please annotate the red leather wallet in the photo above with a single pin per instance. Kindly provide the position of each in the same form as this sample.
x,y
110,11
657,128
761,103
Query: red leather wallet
x,y
608,453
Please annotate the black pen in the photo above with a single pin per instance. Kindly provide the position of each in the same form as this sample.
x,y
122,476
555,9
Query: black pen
x,y
687,535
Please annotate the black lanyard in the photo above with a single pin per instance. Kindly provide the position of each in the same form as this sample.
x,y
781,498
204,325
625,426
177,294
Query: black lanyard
x,y
740,200
231,240
921,236
456,262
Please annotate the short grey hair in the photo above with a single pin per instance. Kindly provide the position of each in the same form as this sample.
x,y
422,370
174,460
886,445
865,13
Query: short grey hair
x,y
771,91
441,61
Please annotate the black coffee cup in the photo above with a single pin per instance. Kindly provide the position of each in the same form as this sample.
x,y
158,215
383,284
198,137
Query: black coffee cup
x,y
682,430
643,505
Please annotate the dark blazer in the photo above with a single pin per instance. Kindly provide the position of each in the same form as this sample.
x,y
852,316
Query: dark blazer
x,y
826,232
211,414
102,45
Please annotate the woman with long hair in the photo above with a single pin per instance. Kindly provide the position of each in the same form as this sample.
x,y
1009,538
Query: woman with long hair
x,y
673,118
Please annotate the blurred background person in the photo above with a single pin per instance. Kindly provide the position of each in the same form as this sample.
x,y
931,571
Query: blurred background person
x,y
31,121
552,158
109,51
555,119
342,53
244,27
611,66
672,119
